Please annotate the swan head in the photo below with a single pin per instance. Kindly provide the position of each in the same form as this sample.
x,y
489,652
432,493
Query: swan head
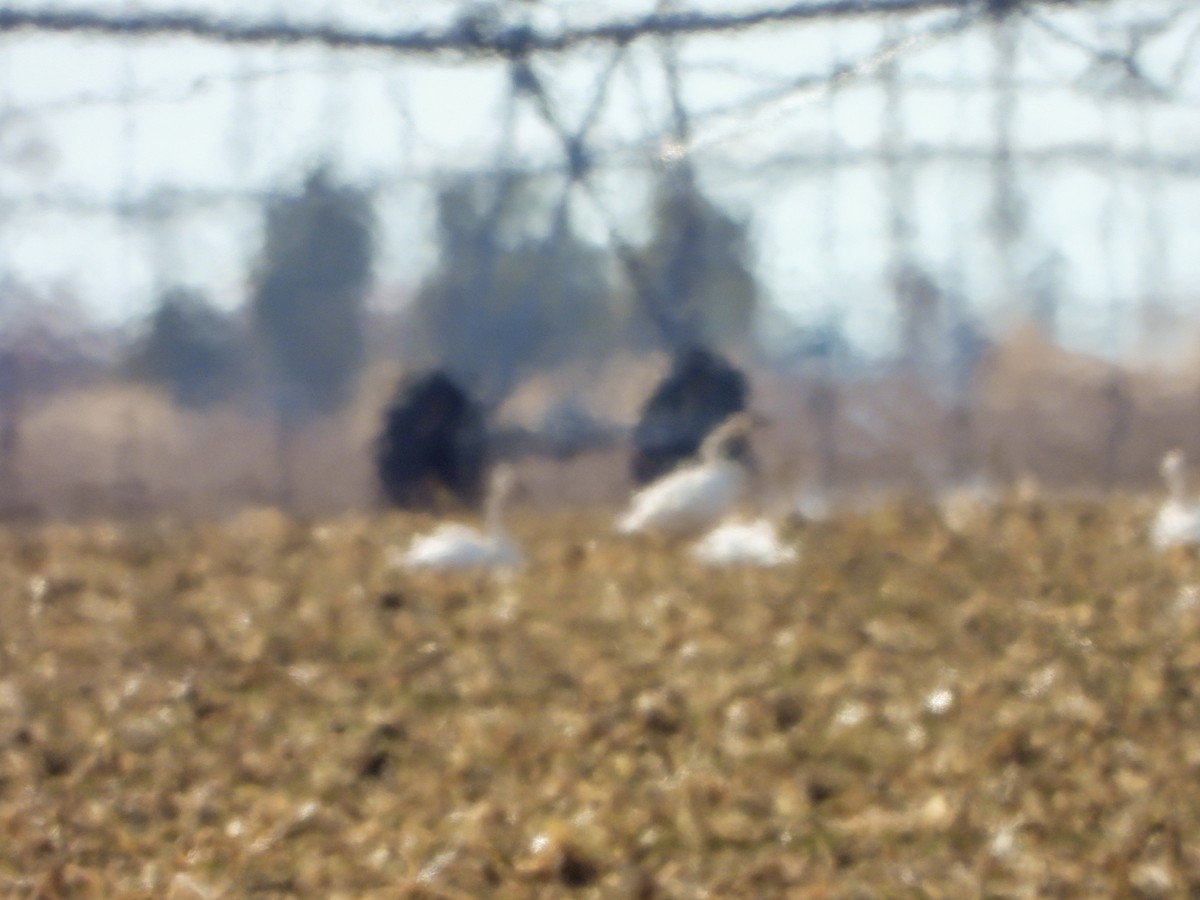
x,y
503,487
731,439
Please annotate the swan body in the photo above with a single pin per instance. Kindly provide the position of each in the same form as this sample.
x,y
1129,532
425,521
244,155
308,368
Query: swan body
x,y
1177,523
686,500
699,494
753,543
454,546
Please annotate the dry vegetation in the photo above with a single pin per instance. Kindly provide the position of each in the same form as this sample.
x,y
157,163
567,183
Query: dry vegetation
x,y
1038,410
265,708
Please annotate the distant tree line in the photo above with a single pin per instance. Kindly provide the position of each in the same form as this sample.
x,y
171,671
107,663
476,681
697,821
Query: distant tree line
x,y
515,290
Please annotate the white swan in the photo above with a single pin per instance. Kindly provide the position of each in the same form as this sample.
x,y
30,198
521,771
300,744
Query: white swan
x,y
964,505
736,542
1178,521
699,494
453,546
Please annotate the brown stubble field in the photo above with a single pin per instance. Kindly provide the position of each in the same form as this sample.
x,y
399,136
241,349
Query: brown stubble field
x,y
266,708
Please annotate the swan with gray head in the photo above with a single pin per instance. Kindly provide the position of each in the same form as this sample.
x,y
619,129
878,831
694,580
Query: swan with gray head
x,y
701,493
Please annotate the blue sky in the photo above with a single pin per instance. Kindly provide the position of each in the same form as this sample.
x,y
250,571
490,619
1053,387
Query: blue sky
x,y
88,123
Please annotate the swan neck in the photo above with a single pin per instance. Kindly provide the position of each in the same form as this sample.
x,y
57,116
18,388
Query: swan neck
x,y
493,514
1176,485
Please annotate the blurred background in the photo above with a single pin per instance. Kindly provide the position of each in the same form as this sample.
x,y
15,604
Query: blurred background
x,y
944,242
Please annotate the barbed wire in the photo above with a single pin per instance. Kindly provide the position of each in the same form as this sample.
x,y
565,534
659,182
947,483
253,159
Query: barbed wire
x,y
578,155
1126,59
783,99
482,33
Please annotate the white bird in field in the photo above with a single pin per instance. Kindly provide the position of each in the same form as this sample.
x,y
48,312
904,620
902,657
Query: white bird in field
x,y
964,505
736,542
454,547
1178,521
699,494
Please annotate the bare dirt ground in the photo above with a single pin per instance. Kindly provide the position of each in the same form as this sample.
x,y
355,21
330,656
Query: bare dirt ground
x,y
267,708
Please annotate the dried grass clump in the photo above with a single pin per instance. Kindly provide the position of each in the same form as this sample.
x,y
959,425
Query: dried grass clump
x,y
267,708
